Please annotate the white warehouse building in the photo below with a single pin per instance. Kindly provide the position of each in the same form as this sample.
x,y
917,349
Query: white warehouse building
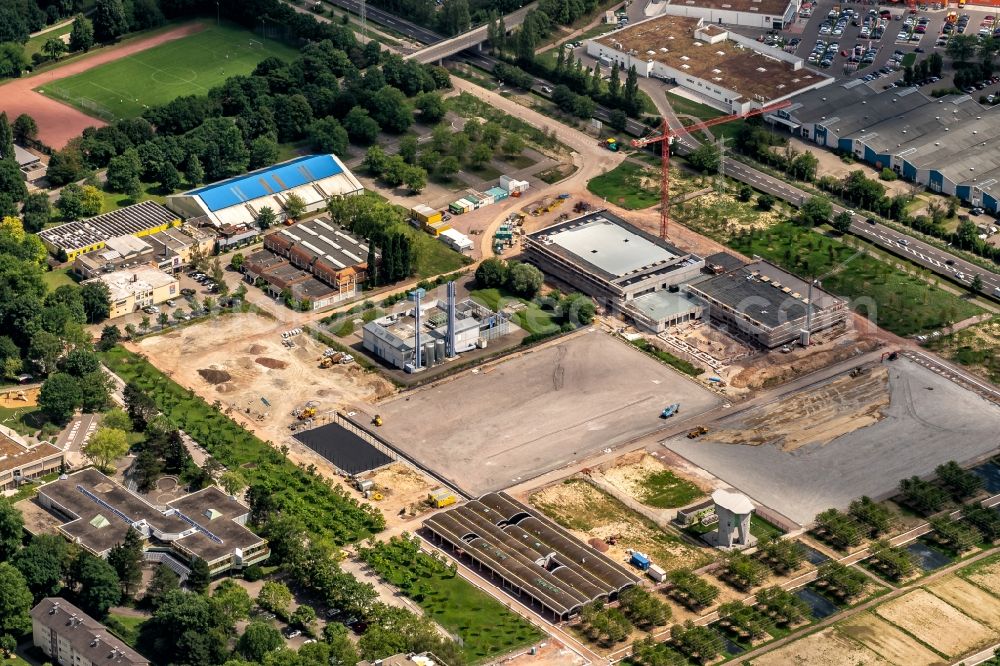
x,y
766,14
726,70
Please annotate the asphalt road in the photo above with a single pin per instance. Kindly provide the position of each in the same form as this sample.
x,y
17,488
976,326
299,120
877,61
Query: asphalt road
x,y
908,247
382,17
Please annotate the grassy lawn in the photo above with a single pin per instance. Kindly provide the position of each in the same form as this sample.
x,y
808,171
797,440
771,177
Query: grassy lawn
x,y
55,279
115,200
433,256
486,629
125,627
34,45
665,490
518,161
687,107
762,529
897,301
22,420
624,186
532,318
908,60
323,509
484,172
188,66
976,347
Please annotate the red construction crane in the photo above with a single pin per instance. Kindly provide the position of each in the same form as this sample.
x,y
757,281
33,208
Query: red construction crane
x,y
667,135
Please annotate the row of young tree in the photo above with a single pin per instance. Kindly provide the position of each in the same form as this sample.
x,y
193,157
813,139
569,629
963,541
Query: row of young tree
x,y
860,192
579,88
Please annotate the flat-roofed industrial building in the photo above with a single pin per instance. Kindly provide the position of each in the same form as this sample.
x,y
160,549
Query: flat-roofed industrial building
x,y
726,69
618,264
315,179
768,305
532,556
76,238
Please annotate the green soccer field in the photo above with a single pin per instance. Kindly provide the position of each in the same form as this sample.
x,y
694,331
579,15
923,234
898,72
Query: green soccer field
x,y
187,66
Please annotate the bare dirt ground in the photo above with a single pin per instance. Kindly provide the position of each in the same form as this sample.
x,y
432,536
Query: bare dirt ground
x,y
630,472
590,513
550,653
816,416
202,356
888,641
936,623
986,577
774,367
404,490
971,600
58,122
824,648
20,397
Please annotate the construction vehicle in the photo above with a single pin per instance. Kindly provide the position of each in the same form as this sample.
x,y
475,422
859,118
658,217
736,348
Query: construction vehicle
x,y
858,371
670,410
666,138
697,432
563,196
377,420
306,413
892,356
581,207
325,362
611,144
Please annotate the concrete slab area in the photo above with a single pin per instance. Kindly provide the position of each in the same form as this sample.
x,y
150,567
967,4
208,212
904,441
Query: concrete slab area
x,y
929,421
538,411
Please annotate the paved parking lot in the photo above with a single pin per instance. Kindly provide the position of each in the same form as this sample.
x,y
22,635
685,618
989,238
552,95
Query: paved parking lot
x,y
808,30
929,421
493,427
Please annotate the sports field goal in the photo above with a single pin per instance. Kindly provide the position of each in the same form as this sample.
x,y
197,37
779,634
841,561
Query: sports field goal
x,y
255,44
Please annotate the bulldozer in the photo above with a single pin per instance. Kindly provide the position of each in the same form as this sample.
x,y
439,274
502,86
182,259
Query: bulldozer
x,y
377,420
325,362
307,413
697,432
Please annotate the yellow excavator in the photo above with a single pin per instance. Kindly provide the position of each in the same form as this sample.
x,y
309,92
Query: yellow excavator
x,y
377,420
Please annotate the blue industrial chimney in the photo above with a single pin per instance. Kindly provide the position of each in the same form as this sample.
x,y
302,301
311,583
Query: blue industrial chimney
x,y
452,352
416,296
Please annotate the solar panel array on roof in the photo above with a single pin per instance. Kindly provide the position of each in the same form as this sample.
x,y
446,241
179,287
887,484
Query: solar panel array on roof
x,y
268,181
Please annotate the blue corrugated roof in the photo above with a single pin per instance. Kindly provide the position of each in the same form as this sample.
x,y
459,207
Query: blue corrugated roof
x,y
269,180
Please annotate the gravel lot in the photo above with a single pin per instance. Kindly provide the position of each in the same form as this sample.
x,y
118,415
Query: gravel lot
x,y
537,411
929,421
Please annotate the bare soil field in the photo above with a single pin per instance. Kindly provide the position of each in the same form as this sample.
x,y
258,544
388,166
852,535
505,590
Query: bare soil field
x,y
636,474
888,641
536,411
973,601
16,398
404,489
928,421
935,623
774,368
814,417
824,648
985,574
215,360
589,513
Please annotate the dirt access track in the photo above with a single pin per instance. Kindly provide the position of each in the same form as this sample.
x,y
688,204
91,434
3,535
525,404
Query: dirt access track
x,y
536,411
58,122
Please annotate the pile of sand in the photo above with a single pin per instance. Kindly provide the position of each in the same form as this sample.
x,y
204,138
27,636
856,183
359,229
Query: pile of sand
x,y
213,376
272,363
257,349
